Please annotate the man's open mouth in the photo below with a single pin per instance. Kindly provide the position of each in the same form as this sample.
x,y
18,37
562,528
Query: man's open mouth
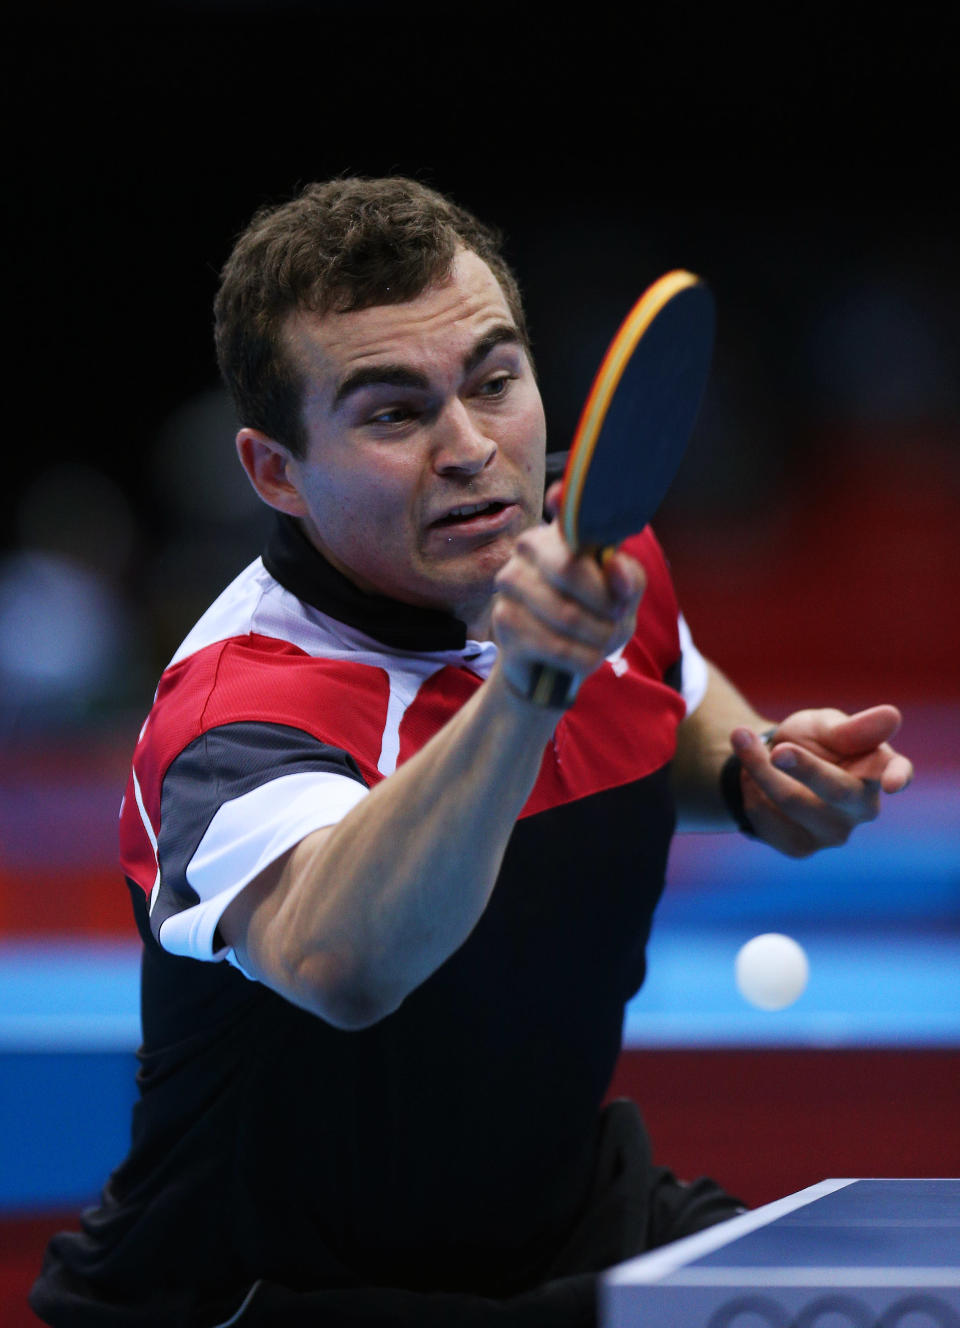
x,y
470,512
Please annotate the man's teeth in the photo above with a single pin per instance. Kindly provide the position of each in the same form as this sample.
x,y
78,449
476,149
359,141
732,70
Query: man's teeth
x,y
469,510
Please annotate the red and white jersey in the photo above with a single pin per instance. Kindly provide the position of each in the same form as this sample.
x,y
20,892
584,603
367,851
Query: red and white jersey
x,y
454,1141
276,716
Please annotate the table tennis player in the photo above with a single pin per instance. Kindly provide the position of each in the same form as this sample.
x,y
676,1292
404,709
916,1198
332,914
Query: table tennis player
x,y
391,908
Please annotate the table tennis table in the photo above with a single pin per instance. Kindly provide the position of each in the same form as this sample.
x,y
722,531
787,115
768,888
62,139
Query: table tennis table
x,y
841,1254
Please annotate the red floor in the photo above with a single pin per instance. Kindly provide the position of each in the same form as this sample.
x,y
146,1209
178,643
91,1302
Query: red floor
x,y
766,1123
763,1123
22,1243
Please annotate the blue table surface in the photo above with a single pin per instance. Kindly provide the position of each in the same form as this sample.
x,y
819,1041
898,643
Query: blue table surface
x,y
868,1224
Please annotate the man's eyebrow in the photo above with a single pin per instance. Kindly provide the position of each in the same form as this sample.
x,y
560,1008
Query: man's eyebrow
x,y
505,334
373,375
401,375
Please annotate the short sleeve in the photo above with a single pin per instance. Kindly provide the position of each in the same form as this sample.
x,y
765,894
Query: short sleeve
x,y
232,802
693,669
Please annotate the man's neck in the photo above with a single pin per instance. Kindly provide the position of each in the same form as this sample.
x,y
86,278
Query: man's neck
x,y
303,570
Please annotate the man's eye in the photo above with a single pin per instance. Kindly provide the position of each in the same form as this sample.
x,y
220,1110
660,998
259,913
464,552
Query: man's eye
x,y
393,415
496,387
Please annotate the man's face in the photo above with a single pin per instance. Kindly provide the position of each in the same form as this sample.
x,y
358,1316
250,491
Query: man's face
x,y
426,442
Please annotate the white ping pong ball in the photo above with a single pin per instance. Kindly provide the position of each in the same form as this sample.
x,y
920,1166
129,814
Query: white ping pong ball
x,y
771,970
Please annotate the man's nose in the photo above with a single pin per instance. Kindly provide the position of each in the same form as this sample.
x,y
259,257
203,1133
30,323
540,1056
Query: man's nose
x,y
459,443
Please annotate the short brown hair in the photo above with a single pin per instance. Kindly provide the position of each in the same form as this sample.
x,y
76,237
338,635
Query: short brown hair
x,y
338,246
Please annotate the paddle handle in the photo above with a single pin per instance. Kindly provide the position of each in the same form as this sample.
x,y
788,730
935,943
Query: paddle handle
x,y
550,688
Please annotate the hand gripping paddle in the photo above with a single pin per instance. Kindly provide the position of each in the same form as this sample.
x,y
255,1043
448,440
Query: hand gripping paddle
x,y
633,430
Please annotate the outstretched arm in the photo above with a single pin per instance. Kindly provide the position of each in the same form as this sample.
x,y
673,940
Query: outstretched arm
x,y
358,915
819,776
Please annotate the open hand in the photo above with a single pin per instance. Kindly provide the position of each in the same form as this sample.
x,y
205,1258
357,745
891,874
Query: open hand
x,y
821,776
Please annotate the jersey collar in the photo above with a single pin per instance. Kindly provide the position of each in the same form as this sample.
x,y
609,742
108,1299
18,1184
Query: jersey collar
x,y
302,569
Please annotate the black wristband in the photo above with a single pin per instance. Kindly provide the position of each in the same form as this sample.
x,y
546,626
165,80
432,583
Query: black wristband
x,y
731,786
732,789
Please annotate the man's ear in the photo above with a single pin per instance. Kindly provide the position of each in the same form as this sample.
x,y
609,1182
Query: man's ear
x,y
268,467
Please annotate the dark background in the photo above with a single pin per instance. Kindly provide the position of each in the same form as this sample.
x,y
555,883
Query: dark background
x,y
802,165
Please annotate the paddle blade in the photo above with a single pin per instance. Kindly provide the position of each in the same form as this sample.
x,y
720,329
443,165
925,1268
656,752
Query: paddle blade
x,y
640,413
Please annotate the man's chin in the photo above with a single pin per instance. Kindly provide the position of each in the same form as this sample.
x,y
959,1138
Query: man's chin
x,y
465,591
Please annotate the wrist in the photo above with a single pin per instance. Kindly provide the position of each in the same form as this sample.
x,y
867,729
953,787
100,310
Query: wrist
x,y
512,692
541,687
731,786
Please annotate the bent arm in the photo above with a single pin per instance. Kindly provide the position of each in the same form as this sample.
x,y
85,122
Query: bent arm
x,y
821,776
703,745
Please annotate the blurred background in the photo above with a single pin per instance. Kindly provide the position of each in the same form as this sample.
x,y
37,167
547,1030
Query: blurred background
x,y
805,169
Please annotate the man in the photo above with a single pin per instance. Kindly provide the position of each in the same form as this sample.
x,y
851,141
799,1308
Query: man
x,y
429,896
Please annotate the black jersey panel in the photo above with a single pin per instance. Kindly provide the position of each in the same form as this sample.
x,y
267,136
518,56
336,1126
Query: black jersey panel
x,y
448,1147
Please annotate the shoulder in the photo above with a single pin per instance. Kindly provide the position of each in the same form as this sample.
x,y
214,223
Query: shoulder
x,y
260,655
659,612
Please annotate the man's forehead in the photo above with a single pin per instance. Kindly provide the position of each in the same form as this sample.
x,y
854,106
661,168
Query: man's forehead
x,y
455,312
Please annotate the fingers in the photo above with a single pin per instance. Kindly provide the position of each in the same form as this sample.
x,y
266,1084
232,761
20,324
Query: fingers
x,y
858,744
551,501
566,611
626,578
823,776
829,783
557,583
861,742
821,802
897,774
834,735
852,735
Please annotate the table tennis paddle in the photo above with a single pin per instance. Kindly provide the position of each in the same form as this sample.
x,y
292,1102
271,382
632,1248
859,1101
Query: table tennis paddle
x,y
634,429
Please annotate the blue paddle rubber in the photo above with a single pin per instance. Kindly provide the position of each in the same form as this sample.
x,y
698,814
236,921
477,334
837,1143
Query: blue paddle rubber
x,y
633,432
